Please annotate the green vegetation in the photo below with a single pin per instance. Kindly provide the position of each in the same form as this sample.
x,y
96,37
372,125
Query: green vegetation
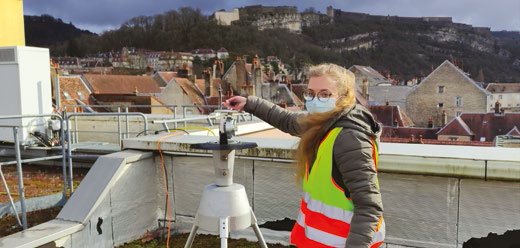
x,y
403,50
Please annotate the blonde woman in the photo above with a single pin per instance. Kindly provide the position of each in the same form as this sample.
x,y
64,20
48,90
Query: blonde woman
x,y
336,158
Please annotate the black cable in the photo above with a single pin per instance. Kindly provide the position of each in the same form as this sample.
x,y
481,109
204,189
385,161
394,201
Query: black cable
x,y
163,130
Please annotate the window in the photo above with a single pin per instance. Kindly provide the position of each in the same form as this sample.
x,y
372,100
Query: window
x,y
440,105
500,97
67,96
81,96
453,138
458,101
441,89
491,97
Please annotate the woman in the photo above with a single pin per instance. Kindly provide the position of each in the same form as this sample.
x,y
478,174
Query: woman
x,y
337,161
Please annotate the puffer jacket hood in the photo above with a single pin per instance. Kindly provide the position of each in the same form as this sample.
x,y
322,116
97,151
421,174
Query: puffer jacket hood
x,y
359,118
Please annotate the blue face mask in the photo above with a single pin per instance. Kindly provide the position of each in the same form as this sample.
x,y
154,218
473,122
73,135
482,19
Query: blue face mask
x,y
317,106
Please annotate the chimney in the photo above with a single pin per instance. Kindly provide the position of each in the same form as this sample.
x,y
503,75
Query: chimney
x,y
256,70
444,118
412,139
387,103
241,76
207,82
214,75
497,107
430,122
364,88
420,139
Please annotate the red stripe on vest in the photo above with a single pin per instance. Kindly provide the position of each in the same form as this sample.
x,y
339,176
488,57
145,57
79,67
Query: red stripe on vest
x,y
299,239
324,223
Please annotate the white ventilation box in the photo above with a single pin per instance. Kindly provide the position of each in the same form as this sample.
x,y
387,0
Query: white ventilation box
x,y
25,89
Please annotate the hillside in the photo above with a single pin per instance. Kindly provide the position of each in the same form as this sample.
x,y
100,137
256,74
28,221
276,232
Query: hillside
x,y
47,31
399,48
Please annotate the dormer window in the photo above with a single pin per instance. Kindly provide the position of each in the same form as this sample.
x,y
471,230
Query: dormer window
x,y
67,96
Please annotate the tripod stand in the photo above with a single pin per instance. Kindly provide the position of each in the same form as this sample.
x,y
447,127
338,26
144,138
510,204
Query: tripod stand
x,y
224,205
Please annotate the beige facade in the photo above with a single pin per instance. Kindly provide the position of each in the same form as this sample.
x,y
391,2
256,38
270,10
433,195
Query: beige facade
x,y
447,89
225,18
454,138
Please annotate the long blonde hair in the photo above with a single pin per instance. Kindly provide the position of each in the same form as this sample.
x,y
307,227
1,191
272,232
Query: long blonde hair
x,y
313,124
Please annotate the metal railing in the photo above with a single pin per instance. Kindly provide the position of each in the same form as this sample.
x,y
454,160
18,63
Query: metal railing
x,y
67,139
68,135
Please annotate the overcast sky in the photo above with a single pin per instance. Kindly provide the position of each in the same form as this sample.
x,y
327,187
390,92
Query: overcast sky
x,y
100,15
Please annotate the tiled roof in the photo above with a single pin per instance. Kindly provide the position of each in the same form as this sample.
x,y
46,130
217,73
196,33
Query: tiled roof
x,y
456,127
121,84
189,88
201,84
406,132
388,114
72,88
435,142
368,72
130,99
514,132
167,76
503,87
222,50
487,125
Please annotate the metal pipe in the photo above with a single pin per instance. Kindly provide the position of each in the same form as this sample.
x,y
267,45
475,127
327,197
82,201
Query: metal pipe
x,y
31,160
119,125
64,155
21,190
69,157
184,114
76,140
11,202
145,119
127,124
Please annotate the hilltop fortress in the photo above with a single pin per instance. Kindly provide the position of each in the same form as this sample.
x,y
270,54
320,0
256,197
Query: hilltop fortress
x,y
288,17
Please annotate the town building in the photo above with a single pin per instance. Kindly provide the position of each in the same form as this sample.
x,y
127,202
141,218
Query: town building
x,y
507,94
444,94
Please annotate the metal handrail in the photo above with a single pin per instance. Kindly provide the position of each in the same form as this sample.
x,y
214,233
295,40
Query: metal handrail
x,y
67,117
21,188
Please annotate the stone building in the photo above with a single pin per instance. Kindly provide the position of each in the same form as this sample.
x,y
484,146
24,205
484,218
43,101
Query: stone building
x,y
446,90
507,94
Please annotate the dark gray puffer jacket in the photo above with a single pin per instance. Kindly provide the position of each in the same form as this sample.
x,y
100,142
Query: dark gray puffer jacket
x,y
353,168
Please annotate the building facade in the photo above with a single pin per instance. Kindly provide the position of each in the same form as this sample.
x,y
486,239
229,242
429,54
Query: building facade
x,y
446,90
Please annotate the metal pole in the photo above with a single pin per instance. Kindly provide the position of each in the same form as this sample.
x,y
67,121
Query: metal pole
x,y
10,198
127,124
119,125
21,190
57,90
63,153
76,140
69,157
184,114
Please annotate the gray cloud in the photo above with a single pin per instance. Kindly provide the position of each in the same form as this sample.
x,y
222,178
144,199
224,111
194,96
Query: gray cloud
x,y
99,15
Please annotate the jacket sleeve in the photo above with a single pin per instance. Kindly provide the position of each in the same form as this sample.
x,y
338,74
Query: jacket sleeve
x,y
353,156
278,117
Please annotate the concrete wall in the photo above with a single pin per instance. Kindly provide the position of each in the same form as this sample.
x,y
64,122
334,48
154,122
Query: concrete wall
x,y
420,211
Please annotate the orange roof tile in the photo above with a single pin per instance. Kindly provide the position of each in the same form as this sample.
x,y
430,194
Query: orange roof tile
x,y
72,88
121,84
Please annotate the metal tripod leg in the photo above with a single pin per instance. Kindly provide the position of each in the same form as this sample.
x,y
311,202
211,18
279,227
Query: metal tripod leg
x,y
224,231
256,228
193,232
